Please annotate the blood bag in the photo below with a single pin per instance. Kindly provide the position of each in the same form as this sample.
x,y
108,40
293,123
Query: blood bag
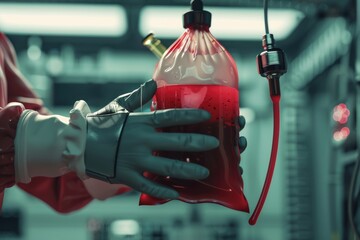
x,y
196,71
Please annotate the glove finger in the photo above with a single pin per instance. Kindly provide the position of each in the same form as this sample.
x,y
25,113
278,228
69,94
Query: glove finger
x,y
242,122
175,168
187,142
241,171
176,117
143,94
242,144
141,184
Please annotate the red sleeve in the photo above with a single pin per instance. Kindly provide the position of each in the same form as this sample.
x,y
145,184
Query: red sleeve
x,y
66,193
18,88
9,117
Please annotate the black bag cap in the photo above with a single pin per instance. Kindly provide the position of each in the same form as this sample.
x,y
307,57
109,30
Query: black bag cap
x,y
197,17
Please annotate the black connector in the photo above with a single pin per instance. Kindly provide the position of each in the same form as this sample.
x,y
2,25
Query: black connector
x,y
197,5
197,17
271,63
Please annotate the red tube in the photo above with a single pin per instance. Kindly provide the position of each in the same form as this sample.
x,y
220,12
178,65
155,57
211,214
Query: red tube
x,y
275,144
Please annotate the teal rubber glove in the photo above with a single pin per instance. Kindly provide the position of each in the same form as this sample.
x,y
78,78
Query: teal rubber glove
x,y
242,139
136,138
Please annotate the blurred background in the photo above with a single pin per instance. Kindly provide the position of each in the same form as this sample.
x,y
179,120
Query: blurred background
x,y
92,50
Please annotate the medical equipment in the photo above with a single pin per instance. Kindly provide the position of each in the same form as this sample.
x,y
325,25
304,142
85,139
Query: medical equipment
x,y
197,72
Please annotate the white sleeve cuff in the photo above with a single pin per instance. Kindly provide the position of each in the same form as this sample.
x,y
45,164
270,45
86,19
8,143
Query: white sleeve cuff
x,y
50,146
20,164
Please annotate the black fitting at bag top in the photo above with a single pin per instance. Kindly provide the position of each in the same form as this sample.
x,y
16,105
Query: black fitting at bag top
x,y
197,17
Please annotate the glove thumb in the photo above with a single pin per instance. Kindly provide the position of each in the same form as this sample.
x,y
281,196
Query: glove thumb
x,y
140,96
130,101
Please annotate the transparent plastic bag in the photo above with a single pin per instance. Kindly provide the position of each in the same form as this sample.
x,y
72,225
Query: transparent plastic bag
x,y
197,72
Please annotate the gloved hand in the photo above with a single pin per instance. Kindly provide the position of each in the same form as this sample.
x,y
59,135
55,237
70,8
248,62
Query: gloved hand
x,y
112,144
117,145
242,139
126,161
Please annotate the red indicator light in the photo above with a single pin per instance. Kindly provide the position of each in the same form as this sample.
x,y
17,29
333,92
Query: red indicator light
x,y
341,113
341,134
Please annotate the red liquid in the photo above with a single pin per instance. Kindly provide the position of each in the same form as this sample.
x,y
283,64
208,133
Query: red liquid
x,y
224,185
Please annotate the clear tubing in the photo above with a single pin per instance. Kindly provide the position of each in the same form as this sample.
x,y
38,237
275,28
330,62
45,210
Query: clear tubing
x,y
275,144
266,16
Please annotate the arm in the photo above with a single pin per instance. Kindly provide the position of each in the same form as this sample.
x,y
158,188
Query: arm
x,y
64,193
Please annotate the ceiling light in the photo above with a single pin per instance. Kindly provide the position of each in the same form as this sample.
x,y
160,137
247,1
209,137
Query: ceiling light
x,y
125,227
63,19
227,23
